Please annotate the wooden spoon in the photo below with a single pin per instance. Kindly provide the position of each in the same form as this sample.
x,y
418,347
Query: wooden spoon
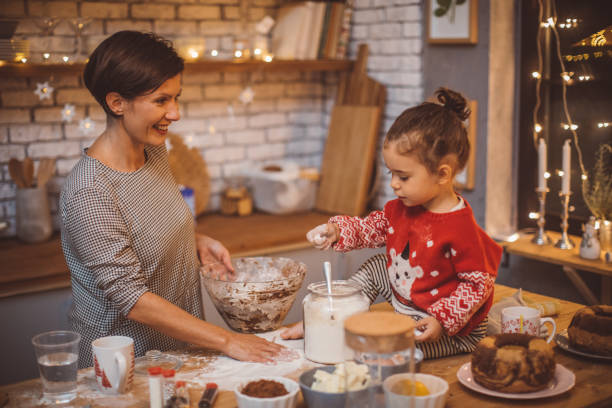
x,y
28,172
15,170
46,168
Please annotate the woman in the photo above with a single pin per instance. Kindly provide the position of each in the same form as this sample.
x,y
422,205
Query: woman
x,y
127,234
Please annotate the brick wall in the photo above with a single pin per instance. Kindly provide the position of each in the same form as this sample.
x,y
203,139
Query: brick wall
x,y
393,30
287,120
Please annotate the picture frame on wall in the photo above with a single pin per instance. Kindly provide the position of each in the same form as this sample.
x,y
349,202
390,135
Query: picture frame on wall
x,y
466,178
452,21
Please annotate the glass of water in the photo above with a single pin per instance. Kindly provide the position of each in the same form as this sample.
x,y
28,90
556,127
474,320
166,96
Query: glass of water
x,y
57,353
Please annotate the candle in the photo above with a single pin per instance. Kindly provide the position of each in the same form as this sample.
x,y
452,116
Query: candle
x,y
567,167
541,164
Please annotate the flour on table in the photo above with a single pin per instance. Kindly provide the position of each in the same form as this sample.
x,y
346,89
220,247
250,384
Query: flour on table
x,y
198,367
228,372
88,390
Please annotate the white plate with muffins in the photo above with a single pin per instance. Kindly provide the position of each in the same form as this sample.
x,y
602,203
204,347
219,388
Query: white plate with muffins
x,y
563,341
563,381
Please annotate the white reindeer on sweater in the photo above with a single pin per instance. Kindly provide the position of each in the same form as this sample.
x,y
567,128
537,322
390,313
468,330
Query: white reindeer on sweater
x,y
401,274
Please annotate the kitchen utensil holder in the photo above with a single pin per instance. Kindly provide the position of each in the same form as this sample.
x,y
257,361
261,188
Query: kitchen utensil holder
x,y
33,218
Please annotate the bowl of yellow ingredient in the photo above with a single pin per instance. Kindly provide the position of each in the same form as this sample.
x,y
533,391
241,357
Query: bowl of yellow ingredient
x,y
423,390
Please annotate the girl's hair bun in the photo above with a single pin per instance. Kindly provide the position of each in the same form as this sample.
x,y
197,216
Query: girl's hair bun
x,y
454,101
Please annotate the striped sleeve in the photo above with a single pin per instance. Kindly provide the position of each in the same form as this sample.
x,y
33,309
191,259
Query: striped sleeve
x,y
358,233
372,276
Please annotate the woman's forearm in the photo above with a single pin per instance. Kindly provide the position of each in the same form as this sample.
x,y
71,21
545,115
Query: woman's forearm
x,y
173,321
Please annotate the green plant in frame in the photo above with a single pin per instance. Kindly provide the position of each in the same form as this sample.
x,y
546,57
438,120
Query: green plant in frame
x,y
444,6
597,187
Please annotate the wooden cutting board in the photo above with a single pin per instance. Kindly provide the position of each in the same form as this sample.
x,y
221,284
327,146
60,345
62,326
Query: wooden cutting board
x,y
348,160
189,169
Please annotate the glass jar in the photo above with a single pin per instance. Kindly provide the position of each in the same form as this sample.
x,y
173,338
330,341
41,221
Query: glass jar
x,y
324,316
383,342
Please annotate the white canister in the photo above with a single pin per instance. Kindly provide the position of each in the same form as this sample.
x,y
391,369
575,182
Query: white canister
x,y
324,317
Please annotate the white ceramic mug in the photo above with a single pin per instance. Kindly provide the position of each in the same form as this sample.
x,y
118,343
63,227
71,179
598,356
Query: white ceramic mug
x,y
114,363
522,319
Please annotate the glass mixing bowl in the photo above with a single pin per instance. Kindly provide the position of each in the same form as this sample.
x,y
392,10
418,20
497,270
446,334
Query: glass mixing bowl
x,y
258,296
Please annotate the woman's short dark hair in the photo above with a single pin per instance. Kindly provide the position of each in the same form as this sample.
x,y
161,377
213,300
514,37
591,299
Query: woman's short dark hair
x,y
130,63
434,131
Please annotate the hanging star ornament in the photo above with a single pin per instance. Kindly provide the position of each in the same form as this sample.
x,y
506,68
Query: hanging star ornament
x,y
247,95
68,112
86,126
43,90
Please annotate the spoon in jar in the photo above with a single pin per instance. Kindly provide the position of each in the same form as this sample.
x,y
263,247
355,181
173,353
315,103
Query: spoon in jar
x,y
327,272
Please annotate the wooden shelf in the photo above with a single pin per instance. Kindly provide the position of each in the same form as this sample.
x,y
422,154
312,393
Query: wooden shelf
x,y
570,262
550,254
30,268
35,70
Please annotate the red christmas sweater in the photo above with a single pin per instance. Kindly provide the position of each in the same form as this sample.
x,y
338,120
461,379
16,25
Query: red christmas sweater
x,y
441,263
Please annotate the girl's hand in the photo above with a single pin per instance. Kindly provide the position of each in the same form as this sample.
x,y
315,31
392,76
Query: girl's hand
x,y
431,328
211,250
323,236
248,347
293,332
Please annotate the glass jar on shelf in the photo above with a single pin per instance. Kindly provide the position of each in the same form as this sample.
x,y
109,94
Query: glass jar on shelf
x,y
191,49
242,48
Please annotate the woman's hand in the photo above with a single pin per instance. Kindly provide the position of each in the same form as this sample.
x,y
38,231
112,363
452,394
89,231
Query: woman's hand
x,y
165,317
323,236
293,332
431,328
248,347
210,250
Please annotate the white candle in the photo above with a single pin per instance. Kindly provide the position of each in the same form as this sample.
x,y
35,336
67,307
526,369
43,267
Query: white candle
x,y
567,167
542,164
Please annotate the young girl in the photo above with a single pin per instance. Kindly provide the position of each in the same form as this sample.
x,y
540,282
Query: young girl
x,y
440,266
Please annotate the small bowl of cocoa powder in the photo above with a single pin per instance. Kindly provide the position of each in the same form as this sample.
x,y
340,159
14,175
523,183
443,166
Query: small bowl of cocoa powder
x,y
267,392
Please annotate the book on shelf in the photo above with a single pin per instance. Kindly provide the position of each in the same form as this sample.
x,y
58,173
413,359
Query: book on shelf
x,y
311,30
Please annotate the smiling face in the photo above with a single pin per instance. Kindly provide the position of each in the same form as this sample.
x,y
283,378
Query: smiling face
x,y
411,181
146,118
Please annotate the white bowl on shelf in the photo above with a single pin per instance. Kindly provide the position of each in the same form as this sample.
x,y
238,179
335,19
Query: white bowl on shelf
x,y
284,401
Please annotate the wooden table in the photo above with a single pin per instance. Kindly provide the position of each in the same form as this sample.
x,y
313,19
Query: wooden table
x,y
593,382
569,260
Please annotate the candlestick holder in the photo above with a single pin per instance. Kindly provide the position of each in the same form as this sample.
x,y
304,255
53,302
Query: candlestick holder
x,y
565,242
540,237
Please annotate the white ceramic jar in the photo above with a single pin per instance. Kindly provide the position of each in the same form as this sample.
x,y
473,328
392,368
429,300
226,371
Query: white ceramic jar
x,y
324,317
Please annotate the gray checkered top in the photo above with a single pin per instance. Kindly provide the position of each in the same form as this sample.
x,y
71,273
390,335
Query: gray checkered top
x,y
124,234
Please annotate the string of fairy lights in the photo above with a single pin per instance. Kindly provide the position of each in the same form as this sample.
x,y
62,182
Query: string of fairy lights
x,y
191,49
551,23
44,90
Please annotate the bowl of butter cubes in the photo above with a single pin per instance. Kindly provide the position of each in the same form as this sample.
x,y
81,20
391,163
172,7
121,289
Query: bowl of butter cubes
x,y
327,386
